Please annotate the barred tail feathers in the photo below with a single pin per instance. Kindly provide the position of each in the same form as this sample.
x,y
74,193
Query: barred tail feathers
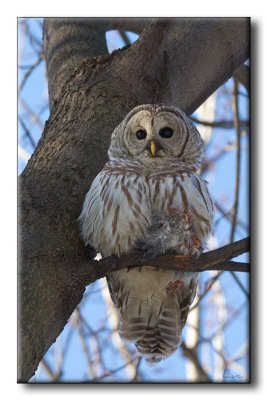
x,y
154,325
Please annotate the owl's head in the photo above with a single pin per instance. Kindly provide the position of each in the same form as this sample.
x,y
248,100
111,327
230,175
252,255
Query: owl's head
x,y
155,135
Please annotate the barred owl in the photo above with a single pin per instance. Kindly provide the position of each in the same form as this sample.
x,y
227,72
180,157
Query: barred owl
x,y
149,196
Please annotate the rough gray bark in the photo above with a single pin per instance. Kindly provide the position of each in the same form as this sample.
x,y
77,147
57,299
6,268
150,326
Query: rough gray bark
x,y
175,61
66,43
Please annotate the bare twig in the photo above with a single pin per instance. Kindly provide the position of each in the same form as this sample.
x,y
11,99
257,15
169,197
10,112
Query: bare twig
x,y
240,284
191,355
207,163
231,318
28,73
114,371
47,369
27,133
209,286
238,157
125,38
228,215
244,124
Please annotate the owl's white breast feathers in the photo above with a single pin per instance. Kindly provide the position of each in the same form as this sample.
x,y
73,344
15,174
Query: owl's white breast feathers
x,y
121,201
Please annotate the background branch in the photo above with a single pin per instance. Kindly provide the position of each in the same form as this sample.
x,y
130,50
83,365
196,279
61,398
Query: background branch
x,y
221,124
238,159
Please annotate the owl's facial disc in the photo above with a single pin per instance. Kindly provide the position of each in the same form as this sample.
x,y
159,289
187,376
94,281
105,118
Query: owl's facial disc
x,y
150,137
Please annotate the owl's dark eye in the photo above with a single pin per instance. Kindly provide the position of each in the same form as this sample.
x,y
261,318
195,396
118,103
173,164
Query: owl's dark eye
x,y
166,133
141,135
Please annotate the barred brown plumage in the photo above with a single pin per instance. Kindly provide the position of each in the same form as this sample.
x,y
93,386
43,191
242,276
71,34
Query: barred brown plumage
x,y
152,199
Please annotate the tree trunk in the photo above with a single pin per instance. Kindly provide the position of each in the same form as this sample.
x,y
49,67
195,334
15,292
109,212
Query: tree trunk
x,y
175,61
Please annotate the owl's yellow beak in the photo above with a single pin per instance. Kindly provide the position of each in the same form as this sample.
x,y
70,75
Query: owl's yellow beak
x,y
153,148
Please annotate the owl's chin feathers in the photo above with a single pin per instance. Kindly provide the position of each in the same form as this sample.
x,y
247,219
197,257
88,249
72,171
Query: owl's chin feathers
x,y
160,163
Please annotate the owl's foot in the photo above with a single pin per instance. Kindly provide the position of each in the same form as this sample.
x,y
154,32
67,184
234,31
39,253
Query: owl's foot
x,y
174,286
196,248
191,246
192,251
195,252
150,251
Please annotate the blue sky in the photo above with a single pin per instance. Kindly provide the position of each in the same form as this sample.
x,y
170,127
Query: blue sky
x,y
221,179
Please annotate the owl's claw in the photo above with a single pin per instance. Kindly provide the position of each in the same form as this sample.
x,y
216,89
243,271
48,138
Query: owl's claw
x,y
190,251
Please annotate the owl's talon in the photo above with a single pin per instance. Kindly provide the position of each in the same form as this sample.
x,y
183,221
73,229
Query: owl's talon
x,y
195,252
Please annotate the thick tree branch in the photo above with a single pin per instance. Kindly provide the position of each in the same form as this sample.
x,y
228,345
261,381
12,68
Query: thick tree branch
x,y
219,47
68,41
242,74
128,24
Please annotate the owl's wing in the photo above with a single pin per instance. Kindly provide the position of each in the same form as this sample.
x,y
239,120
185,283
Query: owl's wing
x,y
203,192
186,295
115,212
200,205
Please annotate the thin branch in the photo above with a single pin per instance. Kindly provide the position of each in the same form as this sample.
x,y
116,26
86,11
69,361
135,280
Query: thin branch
x,y
191,355
125,38
27,133
231,318
95,334
207,163
238,157
228,216
47,368
137,372
114,371
30,70
34,116
211,282
218,259
244,124
240,284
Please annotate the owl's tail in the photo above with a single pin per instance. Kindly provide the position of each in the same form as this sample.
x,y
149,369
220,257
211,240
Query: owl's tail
x,y
154,325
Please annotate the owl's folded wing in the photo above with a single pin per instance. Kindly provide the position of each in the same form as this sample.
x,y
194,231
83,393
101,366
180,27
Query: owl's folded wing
x,y
116,212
